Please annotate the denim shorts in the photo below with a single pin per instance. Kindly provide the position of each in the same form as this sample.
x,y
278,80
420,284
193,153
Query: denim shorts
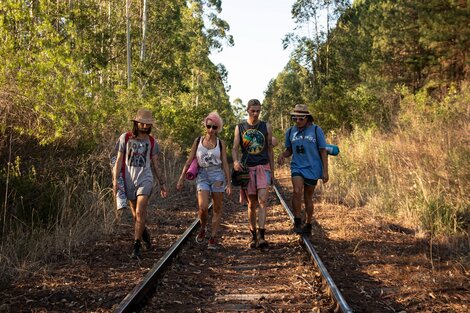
x,y
207,177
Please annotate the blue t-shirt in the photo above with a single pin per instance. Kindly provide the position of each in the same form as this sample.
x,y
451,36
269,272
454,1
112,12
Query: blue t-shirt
x,y
306,158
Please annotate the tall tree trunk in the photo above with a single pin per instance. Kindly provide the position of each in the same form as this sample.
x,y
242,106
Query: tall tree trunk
x,y
144,31
327,38
128,31
142,46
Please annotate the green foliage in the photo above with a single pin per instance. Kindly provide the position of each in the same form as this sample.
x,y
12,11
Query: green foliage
x,y
349,73
31,200
63,84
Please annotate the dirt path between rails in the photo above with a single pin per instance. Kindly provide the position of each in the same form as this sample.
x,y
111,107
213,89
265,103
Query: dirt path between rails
x,y
378,265
237,278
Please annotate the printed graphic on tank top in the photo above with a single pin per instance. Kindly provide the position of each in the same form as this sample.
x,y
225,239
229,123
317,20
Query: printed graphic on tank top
x,y
208,157
253,141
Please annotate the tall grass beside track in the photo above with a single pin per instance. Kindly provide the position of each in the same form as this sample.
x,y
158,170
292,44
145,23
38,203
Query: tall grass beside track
x,y
80,209
418,174
82,213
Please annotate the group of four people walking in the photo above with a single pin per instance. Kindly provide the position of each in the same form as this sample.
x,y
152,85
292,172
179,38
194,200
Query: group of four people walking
x,y
305,142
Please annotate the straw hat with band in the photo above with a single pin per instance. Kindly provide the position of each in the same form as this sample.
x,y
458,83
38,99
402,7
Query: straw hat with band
x,y
144,116
301,110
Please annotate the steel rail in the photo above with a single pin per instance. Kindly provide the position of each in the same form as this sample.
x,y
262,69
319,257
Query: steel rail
x,y
137,298
330,284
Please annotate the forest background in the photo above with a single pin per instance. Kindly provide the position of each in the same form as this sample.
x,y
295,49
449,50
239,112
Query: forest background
x,y
386,80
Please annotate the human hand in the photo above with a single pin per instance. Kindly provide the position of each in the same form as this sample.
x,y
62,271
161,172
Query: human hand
x,y
237,166
180,184
325,178
280,159
115,188
163,191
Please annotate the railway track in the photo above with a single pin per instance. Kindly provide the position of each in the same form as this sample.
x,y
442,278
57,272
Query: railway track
x,y
286,277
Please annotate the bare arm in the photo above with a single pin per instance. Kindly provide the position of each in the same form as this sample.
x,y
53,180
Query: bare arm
x,y
285,154
270,150
324,159
191,156
116,171
159,175
235,150
226,168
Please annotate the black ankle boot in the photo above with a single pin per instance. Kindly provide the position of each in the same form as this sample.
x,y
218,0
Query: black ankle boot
x,y
146,239
297,225
136,254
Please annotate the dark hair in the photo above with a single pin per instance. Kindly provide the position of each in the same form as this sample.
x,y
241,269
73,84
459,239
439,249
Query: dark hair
x,y
253,102
135,129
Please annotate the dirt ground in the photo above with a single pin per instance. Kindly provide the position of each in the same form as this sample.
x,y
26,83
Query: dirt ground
x,y
378,265
370,257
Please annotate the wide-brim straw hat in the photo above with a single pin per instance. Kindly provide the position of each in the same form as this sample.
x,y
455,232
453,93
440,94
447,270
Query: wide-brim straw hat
x,y
300,110
144,116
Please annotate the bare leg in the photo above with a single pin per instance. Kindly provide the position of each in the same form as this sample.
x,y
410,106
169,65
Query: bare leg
x,y
308,197
217,198
203,203
133,208
140,215
298,185
252,204
262,199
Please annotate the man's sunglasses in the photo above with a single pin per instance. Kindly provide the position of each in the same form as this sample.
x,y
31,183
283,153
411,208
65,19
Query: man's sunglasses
x,y
214,127
298,118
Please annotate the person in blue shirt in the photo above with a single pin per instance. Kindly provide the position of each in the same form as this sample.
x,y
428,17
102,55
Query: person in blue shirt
x,y
305,142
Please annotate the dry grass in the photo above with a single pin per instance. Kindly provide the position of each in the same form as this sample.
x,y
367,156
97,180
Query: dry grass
x,y
419,174
86,211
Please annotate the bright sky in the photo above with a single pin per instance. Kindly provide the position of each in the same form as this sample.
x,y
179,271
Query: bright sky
x,y
258,27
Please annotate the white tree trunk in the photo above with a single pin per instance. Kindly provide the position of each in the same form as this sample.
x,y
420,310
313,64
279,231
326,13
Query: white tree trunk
x,y
128,31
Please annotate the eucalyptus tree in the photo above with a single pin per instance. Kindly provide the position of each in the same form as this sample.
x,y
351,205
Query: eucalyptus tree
x,y
312,50
287,89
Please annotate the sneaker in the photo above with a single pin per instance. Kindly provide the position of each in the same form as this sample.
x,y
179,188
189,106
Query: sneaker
x,y
252,244
146,239
262,243
136,254
201,235
212,245
307,229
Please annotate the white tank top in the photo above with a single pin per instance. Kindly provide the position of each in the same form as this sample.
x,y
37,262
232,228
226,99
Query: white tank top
x,y
208,157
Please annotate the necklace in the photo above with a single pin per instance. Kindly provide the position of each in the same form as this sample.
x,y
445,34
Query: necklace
x,y
210,144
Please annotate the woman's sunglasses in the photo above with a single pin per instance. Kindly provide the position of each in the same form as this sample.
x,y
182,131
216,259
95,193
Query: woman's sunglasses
x,y
214,127
298,118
